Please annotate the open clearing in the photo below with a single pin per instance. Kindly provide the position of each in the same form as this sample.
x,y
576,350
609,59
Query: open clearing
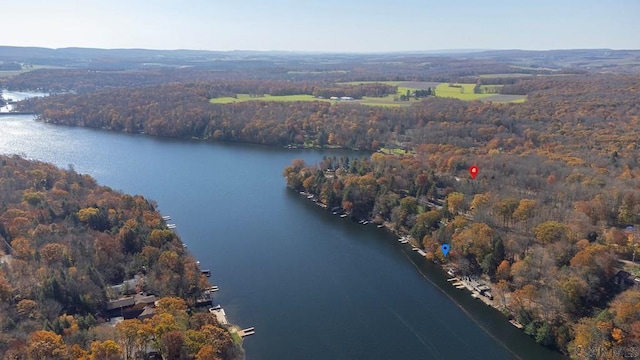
x,y
443,90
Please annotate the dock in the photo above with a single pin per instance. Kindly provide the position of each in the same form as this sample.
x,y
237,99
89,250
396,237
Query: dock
x,y
419,251
246,332
221,316
204,300
206,272
166,218
171,226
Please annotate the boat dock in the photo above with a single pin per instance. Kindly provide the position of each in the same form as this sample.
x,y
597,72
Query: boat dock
x,y
171,226
246,332
419,251
166,218
221,316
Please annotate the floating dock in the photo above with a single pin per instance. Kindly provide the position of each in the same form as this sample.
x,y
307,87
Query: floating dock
x,y
166,218
171,226
246,332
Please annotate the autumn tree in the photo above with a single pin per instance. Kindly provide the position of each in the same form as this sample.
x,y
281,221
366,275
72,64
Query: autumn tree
x,y
105,350
46,345
551,231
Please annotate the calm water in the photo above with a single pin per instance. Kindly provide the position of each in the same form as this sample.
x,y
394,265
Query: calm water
x,y
315,286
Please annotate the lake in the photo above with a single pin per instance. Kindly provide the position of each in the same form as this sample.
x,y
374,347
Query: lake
x,y
314,285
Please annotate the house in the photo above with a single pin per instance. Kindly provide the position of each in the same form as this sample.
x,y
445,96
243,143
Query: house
x,y
346,98
625,279
120,303
130,307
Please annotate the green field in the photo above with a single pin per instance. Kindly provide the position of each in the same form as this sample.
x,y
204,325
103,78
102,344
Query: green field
x,y
7,73
464,92
443,90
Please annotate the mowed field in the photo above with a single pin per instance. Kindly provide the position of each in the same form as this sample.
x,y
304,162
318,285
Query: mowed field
x,y
443,90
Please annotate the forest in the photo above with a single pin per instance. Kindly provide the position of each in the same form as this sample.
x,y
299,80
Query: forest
x,y
551,221
64,241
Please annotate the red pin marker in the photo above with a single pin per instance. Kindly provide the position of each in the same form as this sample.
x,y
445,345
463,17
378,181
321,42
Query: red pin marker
x,y
473,170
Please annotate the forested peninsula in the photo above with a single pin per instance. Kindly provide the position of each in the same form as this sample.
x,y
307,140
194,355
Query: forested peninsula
x,y
70,251
551,221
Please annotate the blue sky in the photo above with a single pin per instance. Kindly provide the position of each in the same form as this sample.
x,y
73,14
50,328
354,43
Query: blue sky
x,y
327,25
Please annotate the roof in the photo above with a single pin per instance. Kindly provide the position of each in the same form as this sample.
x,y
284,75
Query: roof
x,y
121,303
148,312
144,299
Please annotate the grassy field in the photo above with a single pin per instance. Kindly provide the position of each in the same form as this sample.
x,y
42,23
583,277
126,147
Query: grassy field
x,y
464,92
7,73
443,90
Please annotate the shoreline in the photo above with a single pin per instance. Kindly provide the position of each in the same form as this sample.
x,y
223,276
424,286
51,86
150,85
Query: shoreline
x,y
466,283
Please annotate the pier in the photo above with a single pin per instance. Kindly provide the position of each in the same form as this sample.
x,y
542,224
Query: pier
x,y
221,316
246,332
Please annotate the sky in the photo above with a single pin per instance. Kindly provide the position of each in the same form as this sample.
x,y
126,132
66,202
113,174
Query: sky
x,y
323,25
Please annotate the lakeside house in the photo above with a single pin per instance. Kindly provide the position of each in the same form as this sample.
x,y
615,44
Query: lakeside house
x,y
625,279
139,306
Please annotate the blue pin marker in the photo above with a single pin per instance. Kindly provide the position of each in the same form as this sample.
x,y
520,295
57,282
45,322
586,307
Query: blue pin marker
x,y
445,249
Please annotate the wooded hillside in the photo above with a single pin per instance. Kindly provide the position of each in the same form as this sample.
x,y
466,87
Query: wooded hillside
x,y
64,242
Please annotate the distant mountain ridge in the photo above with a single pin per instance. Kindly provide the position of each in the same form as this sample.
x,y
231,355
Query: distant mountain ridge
x,y
19,52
